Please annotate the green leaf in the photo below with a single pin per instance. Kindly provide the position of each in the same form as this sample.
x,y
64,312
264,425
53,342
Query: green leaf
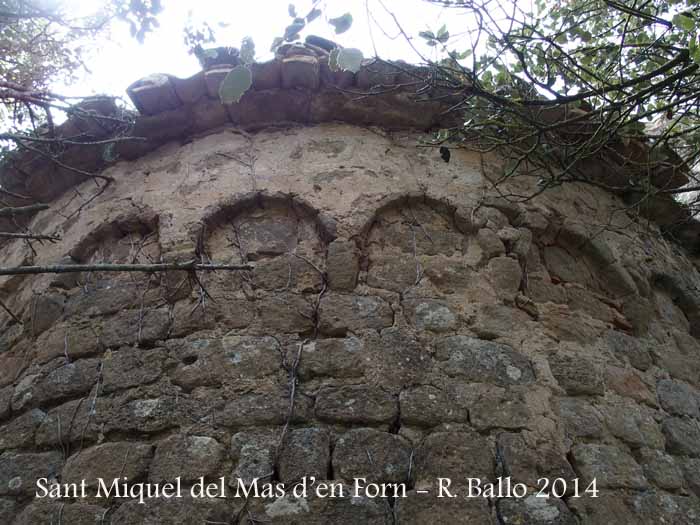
x,y
313,15
341,23
292,10
247,50
443,35
428,35
349,59
235,84
684,22
292,31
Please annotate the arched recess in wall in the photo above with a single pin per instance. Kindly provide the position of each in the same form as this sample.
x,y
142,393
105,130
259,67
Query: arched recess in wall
x,y
82,314
415,238
284,239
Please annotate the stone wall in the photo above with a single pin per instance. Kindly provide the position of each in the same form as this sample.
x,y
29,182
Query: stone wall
x,y
401,323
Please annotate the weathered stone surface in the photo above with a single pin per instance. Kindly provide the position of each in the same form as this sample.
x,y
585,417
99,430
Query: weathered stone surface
x,y
534,511
8,510
633,424
505,408
429,406
678,399
434,316
268,408
356,404
108,461
392,272
19,471
20,431
627,382
682,436
60,380
319,511
305,452
41,512
46,310
340,358
580,418
342,265
136,327
454,455
611,467
477,360
300,72
416,509
506,276
253,452
153,94
342,313
527,462
661,469
68,423
77,339
213,361
690,468
285,312
188,457
379,457
577,375
185,510
129,367
490,244
628,347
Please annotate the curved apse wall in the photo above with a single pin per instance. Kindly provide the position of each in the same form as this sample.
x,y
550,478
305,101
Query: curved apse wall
x,y
399,324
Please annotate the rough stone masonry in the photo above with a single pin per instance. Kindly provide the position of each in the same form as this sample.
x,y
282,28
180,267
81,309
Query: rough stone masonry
x,y
401,324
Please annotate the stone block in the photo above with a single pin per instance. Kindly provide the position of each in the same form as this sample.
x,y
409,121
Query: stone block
x,y
190,90
187,457
258,109
577,375
300,72
478,360
661,469
19,471
44,511
378,456
284,312
627,382
108,461
69,423
505,276
682,436
20,431
633,424
339,314
527,462
213,78
342,265
130,367
430,315
610,466
356,405
532,510
185,510
269,408
337,358
580,418
427,406
305,452
267,75
417,509
59,379
153,94
253,453
136,328
678,398
454,455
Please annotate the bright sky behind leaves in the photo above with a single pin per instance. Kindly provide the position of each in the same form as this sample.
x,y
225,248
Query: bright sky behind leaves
x,y
119,61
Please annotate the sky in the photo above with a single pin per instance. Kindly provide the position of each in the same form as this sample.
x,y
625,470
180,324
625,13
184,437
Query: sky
x,y
116,62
